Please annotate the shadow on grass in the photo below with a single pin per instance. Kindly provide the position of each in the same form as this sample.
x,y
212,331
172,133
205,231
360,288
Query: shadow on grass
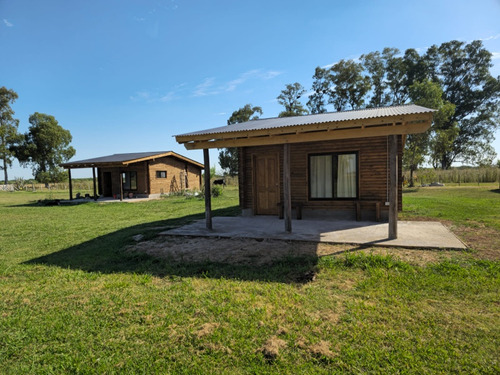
x,y
107,254
495,191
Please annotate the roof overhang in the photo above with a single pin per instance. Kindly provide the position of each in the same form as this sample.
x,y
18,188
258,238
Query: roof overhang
x,y
333,130
93,163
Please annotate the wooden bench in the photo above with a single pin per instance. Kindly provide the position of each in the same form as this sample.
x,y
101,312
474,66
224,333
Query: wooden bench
x,y
295,205
377,208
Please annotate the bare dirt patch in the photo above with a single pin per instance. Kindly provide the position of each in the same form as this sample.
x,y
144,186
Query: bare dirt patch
x,y
259,252
206,329
483,240
322,349
272,347
230,250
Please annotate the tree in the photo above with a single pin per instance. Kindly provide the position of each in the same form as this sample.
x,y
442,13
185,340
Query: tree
x,y
228,157
375,66
8,129
462,70
44,147
428,94
349,85
289,98
320,86
343,84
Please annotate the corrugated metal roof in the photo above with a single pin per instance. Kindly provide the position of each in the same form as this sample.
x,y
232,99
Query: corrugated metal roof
x,y
124,158
118,158
280,122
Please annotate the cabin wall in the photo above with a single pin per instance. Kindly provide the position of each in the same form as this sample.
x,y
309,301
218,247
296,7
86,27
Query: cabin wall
x,y
372,171
179,176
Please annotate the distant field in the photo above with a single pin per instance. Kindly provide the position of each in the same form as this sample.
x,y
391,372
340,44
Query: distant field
x,y
74,299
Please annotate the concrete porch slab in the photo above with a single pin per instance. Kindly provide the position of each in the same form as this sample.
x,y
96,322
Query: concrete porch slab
x,y
411,234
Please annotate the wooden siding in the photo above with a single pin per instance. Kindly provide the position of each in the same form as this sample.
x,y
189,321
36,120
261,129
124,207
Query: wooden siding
x,y
372,166
176,176
148,183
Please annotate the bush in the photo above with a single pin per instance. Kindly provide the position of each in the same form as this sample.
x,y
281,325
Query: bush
x,y
216,191
19,183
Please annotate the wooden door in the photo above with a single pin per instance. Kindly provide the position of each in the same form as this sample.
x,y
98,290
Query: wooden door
x,y
266,184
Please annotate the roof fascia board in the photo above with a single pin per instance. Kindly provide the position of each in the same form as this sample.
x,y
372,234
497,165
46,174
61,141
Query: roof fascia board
x,y
304,128
321,135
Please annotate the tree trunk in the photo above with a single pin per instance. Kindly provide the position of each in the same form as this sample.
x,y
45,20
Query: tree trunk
x,y
5,175
411,178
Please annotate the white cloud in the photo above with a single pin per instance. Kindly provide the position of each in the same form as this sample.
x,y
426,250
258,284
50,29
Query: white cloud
x,y
496,55
140,95
204,88
209,87
152,97
491,37
271,74
231,85
7,23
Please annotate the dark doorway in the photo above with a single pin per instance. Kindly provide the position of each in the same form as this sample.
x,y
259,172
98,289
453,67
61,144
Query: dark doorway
x,y
107,186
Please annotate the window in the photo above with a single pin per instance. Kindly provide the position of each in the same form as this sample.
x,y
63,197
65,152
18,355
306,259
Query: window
x,y
161,174
333,176
129,180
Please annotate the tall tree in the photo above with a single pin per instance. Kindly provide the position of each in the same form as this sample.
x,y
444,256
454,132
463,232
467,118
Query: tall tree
x,y
228,157
317,102
350,86
428,94
463,71
344,84
376,68
289,98
8,129
44,147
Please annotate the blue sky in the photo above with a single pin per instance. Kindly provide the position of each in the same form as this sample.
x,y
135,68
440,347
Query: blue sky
x,y
125,76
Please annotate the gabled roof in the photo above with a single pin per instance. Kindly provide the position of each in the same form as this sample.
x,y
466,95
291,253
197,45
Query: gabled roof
x,y
338,125
126,159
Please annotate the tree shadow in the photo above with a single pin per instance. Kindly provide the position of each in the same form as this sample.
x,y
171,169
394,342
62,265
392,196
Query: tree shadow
x,y
108,254
495,191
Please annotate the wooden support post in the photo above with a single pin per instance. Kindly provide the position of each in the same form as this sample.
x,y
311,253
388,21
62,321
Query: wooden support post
x,y
208,196
70,185
95,187
121,186
148,179
393,187
287,195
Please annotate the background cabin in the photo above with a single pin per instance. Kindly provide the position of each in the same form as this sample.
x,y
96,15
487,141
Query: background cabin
x,y
141,174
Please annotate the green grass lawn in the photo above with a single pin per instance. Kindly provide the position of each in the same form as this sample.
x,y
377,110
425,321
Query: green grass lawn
x,y
74,300
466,205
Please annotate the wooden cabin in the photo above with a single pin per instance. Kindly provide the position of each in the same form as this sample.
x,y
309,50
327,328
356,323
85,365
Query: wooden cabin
x,y
140,174
346,163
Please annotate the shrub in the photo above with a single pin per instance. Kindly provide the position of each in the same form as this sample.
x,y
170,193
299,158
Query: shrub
x,y
216,191
19,183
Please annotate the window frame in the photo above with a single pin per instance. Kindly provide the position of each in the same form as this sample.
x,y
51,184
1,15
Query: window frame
x,y
159,174
127,180
334,171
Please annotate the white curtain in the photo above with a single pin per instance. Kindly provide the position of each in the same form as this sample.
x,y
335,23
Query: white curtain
x,y
321,176
346,176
